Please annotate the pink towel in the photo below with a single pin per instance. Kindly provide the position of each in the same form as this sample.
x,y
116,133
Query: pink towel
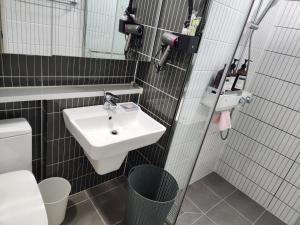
x,y
223,120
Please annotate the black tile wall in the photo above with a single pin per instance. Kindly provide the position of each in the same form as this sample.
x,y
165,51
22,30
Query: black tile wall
x,y
174,14
162,91
32,112
147,14
64,155
28,70
147,11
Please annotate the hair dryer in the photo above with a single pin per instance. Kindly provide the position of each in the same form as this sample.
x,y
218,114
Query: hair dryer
x,y
169,41
132,29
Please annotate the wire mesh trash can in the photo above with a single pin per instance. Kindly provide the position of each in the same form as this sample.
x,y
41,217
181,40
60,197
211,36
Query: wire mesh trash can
x,y
151,195
55,192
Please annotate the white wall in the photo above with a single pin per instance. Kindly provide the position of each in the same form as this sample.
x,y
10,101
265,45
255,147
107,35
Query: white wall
x,y
210,153
103,35
43,27
224,25
261,157
32,27
68,23
213,146
26,27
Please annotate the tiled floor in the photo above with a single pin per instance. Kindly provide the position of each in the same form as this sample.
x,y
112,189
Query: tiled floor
x,y
100,205
214,201
210,201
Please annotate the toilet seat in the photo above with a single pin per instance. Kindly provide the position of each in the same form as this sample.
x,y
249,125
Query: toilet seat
x,y
20,200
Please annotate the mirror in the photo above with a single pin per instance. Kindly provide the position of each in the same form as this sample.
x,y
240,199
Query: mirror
x,y
80,28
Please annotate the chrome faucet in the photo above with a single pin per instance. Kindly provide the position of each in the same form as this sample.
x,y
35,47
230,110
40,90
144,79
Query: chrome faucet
x,y
109,101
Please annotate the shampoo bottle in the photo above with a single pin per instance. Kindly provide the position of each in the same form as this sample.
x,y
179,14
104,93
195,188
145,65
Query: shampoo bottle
x,y
230,76
240,78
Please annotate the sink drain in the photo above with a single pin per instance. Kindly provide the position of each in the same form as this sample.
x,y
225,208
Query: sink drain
x,y
114,132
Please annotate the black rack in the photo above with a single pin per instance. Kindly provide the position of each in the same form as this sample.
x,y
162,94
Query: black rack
x,y
188,44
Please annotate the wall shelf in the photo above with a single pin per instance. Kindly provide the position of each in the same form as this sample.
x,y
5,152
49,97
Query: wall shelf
x,y
18,94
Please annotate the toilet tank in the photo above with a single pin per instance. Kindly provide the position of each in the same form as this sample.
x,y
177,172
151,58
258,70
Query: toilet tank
x,y
15,145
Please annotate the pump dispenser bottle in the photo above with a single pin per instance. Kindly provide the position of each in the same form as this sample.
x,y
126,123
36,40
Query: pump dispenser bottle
x,y
229,77
240,78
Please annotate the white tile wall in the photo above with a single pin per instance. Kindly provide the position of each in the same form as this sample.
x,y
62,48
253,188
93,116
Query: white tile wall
x,y
67,28
262,154
224,25
39,27
103,27
26,26
210,153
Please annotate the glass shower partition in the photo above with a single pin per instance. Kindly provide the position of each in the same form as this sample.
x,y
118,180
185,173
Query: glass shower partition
x,y
194,116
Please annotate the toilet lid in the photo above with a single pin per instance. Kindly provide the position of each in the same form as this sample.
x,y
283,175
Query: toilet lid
x,y
20,200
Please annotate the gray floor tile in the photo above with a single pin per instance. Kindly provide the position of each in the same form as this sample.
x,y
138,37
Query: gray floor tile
x,y
101,188
204,221
218,184
245,205
269,219
223,214
188,206
77,198
202,196
111,205
82,213
188,218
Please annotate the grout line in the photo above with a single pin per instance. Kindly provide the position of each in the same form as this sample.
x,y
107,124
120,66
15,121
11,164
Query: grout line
x,y
214,206
77,203
154,115
263,144
211,220
104,192
259,216
242,215
259,165
203,216
205,213
194,213
260,120
223,198
91,197
95,208
157,89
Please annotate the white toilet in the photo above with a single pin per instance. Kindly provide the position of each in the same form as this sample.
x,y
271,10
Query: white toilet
x,y
20,198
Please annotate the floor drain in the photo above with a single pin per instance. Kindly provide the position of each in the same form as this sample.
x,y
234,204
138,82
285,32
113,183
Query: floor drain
x,y
114,132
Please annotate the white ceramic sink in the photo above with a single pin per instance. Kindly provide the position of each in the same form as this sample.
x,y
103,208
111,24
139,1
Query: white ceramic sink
x,y
107,136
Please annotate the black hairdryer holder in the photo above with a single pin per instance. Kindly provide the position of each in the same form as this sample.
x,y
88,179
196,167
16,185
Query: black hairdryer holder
x,y
187,44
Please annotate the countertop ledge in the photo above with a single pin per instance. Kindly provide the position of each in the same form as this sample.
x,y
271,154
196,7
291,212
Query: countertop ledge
x,y
19,94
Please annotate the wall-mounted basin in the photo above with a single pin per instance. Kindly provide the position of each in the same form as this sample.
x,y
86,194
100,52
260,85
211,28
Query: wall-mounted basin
x,y
108,135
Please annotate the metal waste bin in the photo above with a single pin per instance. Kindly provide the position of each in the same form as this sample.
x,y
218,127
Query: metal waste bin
x,y
151,195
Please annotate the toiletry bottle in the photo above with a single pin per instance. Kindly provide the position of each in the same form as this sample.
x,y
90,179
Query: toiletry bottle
x,y
218,78
194,24
240,78
230,76
230,73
